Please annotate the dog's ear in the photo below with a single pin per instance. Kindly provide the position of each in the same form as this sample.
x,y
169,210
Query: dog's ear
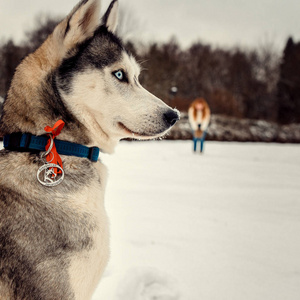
x,y
110,18
79,25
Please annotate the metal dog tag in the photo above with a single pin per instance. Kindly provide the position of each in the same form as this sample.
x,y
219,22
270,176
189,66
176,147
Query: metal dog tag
x,y
46,174
47,177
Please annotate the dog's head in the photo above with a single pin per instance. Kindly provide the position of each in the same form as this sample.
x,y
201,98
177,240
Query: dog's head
x,y
93,81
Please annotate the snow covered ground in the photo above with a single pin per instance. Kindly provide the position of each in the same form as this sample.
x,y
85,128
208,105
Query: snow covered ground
x,y
220,226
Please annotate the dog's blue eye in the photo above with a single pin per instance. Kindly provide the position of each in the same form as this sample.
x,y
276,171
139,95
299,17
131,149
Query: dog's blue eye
x,y
120,75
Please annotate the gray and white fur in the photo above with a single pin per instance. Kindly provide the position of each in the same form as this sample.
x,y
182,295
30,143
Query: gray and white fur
x,y
54,241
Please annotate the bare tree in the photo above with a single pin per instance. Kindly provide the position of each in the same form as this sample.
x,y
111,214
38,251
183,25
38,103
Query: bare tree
x,y
289,84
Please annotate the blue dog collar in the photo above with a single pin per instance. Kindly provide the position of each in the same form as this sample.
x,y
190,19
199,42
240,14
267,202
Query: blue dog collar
x,y
24,142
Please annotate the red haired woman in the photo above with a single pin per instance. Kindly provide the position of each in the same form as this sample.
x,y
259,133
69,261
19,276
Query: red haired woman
x,y
199,117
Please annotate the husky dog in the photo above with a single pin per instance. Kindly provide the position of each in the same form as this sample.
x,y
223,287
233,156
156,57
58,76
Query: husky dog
x,y
54,241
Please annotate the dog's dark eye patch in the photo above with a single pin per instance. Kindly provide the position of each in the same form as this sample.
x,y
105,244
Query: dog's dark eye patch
x,y
100,51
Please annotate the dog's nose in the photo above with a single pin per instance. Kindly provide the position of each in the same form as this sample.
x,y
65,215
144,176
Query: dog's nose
x,y
171,117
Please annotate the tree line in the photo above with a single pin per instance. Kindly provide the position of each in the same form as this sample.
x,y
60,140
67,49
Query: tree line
x,y
257,83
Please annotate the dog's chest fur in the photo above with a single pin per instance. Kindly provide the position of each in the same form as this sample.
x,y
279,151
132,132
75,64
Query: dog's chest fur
x,y
63,229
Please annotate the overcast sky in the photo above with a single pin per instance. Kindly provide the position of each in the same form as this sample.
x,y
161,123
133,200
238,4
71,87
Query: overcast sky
x,y
218,22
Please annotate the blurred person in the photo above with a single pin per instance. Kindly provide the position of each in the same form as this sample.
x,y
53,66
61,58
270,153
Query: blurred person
x,y
199,117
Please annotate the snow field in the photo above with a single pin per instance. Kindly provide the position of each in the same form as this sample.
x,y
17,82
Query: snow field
x,y
223,225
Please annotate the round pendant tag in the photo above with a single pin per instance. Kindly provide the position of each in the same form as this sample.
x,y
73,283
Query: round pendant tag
x,y
47,177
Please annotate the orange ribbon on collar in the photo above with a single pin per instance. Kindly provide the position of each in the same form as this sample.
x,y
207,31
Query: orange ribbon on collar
x,y
53,156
